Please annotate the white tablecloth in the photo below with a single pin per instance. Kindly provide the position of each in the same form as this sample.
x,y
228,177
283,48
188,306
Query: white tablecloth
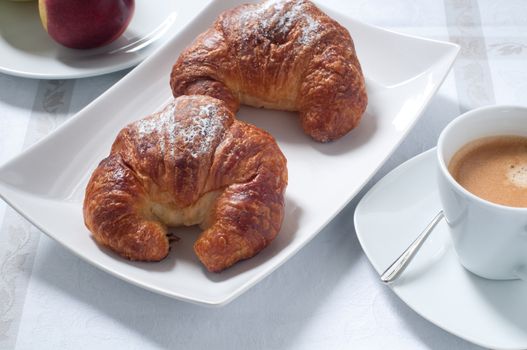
x,y
50,299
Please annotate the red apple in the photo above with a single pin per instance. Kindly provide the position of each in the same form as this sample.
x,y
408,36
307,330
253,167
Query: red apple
x,y
85,24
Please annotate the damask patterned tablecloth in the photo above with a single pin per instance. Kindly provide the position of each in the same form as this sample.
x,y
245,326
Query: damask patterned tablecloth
x,y
326,297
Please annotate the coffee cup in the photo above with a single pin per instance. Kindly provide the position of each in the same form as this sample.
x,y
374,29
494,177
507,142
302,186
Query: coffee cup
x,y
490,239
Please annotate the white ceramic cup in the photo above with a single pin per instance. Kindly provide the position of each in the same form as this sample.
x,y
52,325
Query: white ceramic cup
x,y
490,239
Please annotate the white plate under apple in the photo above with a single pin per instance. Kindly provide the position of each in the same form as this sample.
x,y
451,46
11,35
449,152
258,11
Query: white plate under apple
x,y
28,51
46,183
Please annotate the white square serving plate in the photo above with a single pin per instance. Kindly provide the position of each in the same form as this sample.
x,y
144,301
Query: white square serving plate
x,y
46,183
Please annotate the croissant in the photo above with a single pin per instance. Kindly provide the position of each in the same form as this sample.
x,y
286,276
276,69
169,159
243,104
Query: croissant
x,y
278,54
192,163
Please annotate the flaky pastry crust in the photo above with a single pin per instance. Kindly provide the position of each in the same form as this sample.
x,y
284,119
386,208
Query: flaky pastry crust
x,y
192,163
278,54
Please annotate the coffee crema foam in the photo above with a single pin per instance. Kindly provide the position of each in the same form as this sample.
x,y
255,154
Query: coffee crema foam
x,y
518,175
493,168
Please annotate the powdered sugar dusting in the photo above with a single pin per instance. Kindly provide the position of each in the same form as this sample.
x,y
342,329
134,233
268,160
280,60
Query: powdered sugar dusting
x,y
118,174
309,31
201,133
280,17
157,125
194,135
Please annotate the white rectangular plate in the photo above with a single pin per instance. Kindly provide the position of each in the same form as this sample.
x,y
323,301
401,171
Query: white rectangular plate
x,y
46,183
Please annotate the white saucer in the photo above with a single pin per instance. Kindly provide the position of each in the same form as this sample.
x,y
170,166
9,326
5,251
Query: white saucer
x,y
488,313
27,50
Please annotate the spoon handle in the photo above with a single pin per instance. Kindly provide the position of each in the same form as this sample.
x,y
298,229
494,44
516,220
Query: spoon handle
x,y
399,265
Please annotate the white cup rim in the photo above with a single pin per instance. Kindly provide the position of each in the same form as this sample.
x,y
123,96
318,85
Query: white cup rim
x,y
444,168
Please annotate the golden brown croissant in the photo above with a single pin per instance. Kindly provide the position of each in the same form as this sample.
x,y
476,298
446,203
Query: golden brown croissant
x,y
278,54
192,163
